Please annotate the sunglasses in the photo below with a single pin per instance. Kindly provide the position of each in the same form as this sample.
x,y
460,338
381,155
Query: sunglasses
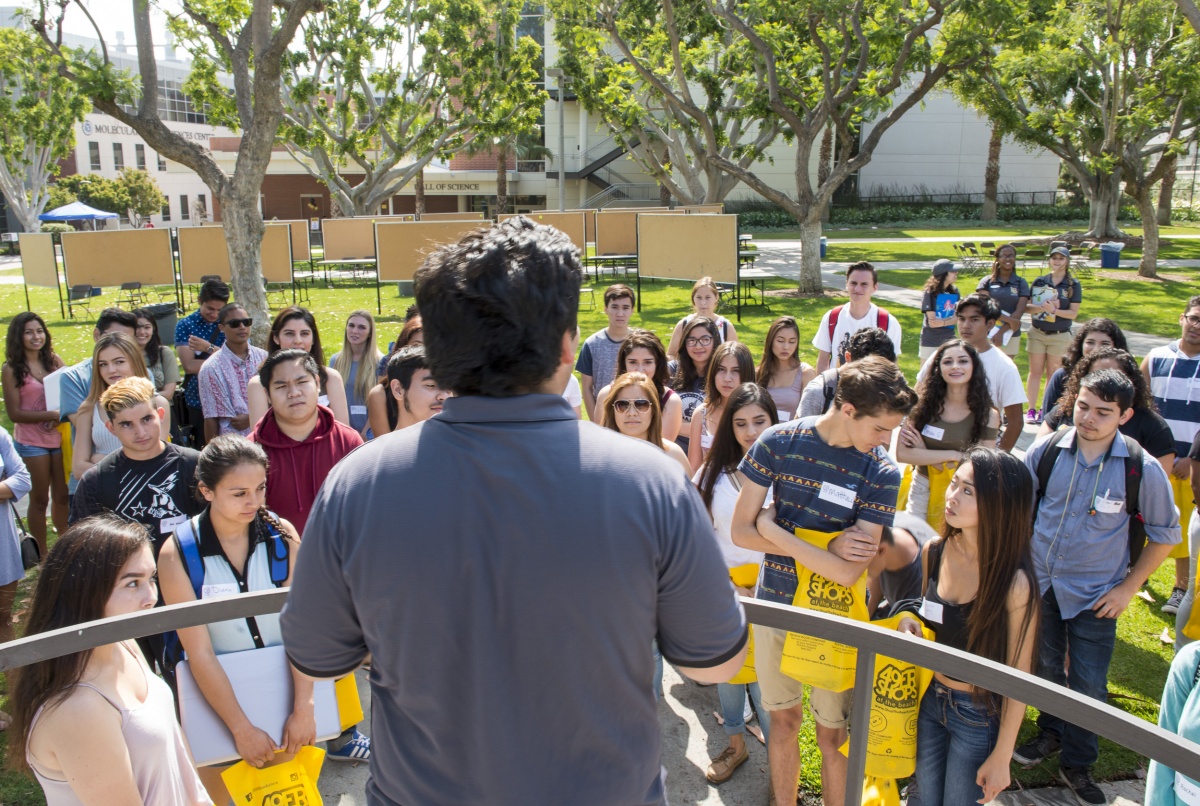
x,y
238,322
641,404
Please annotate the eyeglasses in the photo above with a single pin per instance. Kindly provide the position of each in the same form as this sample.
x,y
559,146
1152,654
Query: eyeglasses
x,y
702,341
1194,321
641,404
238,322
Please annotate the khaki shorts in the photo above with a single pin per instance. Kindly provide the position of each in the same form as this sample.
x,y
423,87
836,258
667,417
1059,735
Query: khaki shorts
x,y
1014,345
780,692
1052,344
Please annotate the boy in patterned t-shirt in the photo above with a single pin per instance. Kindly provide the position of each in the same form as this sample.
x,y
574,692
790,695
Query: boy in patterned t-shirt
x,y
829,474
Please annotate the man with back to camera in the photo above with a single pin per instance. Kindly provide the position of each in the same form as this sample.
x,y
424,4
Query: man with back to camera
x,y
861,283
520,496
1081,550
197,337
597,365
818,395
829,474
976,314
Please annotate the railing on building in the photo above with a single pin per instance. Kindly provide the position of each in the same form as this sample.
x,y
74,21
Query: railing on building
x,y
1136,734
637,191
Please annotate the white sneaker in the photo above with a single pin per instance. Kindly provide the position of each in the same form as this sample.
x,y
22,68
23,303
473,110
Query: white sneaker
x,y
747,712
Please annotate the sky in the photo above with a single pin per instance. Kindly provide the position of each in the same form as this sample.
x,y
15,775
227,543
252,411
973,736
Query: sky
x,y
113,16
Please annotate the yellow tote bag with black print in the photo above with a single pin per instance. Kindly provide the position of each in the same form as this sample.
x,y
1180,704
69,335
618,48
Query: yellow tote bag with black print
x,y
745,576
817,661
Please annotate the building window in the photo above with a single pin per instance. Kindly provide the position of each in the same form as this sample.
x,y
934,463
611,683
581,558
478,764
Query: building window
x,y
183,207
174,105
118,156
162,163
94,154
166,212
139,151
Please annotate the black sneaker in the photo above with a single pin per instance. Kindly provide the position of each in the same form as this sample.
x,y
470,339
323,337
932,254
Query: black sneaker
x,y
1081,783
1037,750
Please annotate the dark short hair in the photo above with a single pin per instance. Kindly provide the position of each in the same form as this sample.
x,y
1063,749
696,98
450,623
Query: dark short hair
x,y
115,316
404,363
868,341
227,309
619,291
873,385
863,265
266,372
495,307
1111,386
214,290
985,305
1194,302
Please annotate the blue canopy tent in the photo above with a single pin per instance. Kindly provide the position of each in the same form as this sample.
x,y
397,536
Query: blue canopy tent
x,y
76,211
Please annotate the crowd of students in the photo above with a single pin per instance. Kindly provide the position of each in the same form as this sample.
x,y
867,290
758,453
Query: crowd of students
x,y
777,449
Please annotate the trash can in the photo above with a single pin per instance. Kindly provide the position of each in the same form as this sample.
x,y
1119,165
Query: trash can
x,y
824,245
1110,254
404,288
165,317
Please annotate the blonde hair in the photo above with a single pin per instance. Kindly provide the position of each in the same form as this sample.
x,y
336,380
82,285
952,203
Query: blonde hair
x,y
706,282
125,394
365,379
126,345
609,420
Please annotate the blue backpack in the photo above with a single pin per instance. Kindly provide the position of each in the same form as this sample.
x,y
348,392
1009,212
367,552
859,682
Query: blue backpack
x,y
193,564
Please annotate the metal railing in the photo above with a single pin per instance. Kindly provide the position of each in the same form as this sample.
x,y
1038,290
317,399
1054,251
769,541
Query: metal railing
x,y
581,159
634,191
1136,734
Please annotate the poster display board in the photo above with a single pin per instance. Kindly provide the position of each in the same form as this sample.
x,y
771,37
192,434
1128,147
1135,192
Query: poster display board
x,y
572,223
451,216
276,253
348,238
683,247
402,247
616,230
113,257
39,264
204,251
299,228
705,209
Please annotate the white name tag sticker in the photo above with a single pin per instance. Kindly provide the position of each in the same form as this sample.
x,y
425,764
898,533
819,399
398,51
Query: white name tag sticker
x,y
216,591
837,495
1186,790
930,611
1109,506
706,441
167,525
358,409
784,416
933,432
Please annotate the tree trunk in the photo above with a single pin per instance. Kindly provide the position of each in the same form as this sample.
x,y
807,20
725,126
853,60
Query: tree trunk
x,y
810,253
419,192
1166,194
991,175
243,235
825,165
1104,204
502,179
1149,264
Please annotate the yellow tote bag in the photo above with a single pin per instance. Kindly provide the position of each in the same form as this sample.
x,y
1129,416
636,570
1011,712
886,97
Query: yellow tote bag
x,y
939,480
816,661
64,430
880,792
905,486
745,576
349,706
1186,503
292,783
895,701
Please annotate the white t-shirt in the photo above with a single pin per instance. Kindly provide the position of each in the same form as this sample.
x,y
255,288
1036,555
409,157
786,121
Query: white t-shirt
x,y
573,393
847,324
724,500
1003,378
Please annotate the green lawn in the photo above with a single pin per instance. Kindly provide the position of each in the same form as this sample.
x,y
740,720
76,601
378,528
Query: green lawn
x,y
1141,660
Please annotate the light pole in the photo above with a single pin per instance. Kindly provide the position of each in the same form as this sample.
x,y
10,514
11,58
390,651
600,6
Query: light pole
x,y
563,79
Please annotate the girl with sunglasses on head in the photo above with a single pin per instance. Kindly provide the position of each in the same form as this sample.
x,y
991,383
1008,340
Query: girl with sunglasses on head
x,y
631,408
690,371
705,299
641,351
781,372
295,328
749,411
731,365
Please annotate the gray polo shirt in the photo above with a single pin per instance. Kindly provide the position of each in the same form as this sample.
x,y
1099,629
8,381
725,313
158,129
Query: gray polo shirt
x,y
507,567
1081,530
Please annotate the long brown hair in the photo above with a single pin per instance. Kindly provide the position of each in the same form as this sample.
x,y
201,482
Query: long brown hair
x,y
686,371
646,340
609,420
1004,498
14,347
931,392
1142,399
74,586
222,455
125,344
770,364
726,452
745,362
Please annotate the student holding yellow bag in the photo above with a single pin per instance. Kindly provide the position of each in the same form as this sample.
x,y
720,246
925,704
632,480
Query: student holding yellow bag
x,y
953,412
830,474
979,597
749,410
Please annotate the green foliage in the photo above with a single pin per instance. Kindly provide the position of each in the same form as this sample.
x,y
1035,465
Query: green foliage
x,y
144,197
59,196
97,191
51,226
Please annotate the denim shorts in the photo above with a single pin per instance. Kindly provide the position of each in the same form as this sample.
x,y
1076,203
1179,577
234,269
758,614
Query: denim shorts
x,y
30,451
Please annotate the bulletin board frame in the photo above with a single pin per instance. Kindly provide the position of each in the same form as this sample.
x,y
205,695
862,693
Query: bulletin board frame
x,y
572,223
683,247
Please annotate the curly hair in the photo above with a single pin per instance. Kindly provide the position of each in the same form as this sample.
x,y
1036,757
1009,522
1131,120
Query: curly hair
x,y
1142,399
14,347
931,392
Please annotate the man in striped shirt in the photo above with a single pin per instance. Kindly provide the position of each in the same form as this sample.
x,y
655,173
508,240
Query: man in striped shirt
x,y
1173,372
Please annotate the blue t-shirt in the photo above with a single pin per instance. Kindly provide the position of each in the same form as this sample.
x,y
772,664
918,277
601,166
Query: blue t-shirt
x,y
793,460
196,325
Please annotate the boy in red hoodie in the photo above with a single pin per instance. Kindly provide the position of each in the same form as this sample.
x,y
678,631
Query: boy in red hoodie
x,y
301,438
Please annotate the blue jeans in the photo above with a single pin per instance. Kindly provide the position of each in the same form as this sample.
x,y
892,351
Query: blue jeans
x,y
955,735
1090,640
733,707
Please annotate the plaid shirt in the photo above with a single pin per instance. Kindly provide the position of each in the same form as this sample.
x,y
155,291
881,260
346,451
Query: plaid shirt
x,y
223,382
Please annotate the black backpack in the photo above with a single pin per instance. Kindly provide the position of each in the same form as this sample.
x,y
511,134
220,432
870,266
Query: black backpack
x,y
1133,486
